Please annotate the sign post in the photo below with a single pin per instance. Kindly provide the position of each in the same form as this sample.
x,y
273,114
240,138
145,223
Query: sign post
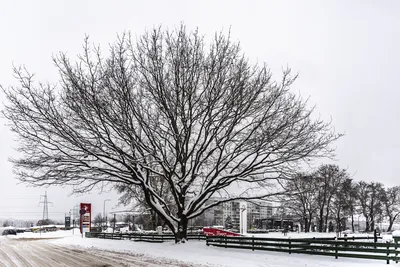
x,y
40,222
85,217
67,222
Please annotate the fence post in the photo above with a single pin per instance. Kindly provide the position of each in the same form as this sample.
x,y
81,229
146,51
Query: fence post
x,y
336,250
226,242
207,241
387,252
290,243
120,236
395,247
162,238
252,243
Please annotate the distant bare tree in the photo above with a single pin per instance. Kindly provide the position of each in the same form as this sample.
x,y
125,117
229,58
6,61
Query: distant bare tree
x,y
391,201
7,223
99,220
301,198
343,201
370,197
329,179
200,118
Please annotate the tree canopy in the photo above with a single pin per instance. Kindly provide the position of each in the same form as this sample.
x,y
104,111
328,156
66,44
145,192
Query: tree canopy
x,y
168,107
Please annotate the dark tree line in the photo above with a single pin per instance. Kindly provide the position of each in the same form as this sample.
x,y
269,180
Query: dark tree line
x,y
329,194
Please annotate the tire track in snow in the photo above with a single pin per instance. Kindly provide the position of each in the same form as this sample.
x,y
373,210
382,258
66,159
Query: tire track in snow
x,y
36,253
20,253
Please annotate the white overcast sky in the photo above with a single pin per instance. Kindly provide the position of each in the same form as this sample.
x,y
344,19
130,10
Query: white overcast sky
x,y
347,54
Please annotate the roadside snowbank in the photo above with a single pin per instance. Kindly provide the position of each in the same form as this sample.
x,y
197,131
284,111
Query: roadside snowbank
x,y
46,235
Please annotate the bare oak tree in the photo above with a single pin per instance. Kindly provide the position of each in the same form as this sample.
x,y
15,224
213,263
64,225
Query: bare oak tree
x,y
202,118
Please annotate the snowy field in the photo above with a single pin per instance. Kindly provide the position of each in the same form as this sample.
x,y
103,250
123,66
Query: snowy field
x,y
193,253
196,253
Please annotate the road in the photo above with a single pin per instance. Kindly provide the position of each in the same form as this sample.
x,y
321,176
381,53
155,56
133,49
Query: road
x,y
33,253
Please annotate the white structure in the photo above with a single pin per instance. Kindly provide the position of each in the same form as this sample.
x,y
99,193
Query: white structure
x,y
243,218
228,214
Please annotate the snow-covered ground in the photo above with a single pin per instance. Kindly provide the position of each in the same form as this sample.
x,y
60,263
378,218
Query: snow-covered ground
x,y
45,235
197,252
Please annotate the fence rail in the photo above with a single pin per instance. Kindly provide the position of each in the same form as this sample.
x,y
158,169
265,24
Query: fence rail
x,y
339,248
154,238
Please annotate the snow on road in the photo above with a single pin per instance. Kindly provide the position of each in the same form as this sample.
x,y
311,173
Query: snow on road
x,y
22,251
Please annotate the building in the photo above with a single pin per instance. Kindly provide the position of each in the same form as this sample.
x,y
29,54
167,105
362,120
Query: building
x,y
228,214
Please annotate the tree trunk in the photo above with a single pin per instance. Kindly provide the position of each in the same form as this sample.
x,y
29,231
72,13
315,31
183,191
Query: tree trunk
x,y
326,218
309,222
321,220
372,225
181,235
391,221
153,220
366,224
327,213
306,225
352,223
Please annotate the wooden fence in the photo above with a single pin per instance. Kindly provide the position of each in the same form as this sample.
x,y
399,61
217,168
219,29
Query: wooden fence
x,y
154,238
315,246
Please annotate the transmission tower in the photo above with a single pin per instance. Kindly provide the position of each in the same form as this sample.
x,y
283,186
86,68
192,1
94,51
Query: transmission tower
x,y
45,203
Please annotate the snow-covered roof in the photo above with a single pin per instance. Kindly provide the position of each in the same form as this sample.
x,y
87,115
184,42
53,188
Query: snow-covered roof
x,y
396,233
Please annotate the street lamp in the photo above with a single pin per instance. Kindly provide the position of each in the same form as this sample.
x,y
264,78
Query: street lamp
x,y
104,211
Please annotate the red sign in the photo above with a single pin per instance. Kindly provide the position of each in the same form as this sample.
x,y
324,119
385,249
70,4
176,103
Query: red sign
x,y
86,217
87,207
208,231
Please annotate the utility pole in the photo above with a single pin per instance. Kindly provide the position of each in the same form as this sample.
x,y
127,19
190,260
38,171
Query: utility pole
x,y
45,203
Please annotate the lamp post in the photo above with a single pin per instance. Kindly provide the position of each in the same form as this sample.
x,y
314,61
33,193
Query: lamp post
x,y
104,211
